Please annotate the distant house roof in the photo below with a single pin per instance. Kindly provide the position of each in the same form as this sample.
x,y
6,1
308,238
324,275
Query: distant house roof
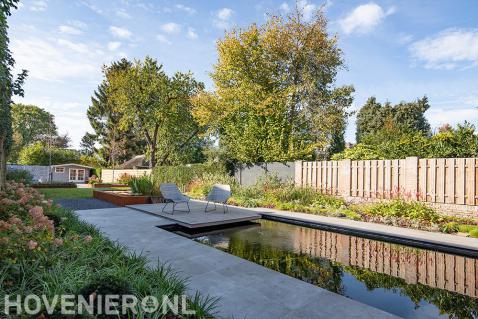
x,y
71,164
138,161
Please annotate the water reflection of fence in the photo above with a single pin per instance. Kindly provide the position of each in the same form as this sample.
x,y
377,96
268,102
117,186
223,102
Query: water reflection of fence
x,y
434,269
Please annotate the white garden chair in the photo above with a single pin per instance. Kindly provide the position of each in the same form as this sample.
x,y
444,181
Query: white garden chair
x,y
172,194
219,194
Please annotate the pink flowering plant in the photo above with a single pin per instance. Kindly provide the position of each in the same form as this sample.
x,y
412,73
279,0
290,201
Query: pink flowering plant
x,y
25,229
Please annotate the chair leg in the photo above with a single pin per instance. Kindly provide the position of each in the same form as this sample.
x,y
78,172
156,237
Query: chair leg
x,y
189,210
174,205
162,210
205,210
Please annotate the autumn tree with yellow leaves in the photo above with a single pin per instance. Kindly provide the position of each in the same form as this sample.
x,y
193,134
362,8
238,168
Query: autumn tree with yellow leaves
x,y
274,97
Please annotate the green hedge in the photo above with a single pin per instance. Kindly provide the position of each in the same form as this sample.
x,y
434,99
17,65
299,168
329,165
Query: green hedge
x,y
182,175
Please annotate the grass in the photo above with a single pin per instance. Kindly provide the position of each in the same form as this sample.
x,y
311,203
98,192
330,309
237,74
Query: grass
x,y
66,193
72,193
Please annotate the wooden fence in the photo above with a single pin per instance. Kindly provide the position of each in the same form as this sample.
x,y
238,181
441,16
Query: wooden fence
x,y
434,180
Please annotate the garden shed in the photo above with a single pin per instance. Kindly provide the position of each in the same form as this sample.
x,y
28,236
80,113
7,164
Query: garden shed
x,y
74,173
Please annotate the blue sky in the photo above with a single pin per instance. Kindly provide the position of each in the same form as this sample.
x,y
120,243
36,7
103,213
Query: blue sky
x,y
394,50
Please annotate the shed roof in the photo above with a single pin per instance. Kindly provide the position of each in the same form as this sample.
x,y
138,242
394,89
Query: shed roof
x,y
71,164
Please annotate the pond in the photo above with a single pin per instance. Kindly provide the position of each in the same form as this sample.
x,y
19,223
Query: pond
x,y
405,281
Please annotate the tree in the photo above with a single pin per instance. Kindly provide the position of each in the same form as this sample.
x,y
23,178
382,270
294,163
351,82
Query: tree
x,y
9,87
156,105
38,154
87,144
116,144
30,124
406,117
274,96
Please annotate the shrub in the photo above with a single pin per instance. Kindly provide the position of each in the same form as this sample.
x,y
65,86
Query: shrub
x,y
450,227
200,187
183,175
124,179
94,180
20,176
141,185
68,256
474,233
403,209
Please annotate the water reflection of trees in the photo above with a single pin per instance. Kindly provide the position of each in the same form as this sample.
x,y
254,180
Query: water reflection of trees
x,y
318,271
453,304
328,274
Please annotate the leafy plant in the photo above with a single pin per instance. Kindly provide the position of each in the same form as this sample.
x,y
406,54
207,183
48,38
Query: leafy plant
x,y
124,179
451,227
474,233
402,209
141,185
94,180
20,176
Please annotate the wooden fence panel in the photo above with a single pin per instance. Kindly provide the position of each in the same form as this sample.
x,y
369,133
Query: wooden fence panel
x,y
442,180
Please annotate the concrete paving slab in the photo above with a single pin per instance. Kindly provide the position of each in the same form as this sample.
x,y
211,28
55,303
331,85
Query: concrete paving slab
x,y
247,290
198,217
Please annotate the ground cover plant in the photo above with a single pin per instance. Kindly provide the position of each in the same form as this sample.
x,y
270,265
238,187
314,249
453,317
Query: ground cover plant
x,y
47,250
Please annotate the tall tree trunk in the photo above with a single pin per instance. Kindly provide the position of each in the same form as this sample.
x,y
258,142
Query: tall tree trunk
x,y
3,163
152,161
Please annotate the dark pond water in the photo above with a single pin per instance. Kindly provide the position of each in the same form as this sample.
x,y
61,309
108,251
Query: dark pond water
x,y
408,282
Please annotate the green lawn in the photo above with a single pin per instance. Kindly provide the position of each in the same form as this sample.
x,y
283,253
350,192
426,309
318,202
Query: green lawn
x,y
62,193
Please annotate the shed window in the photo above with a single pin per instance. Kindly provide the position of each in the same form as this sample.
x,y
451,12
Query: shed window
x,y
59,169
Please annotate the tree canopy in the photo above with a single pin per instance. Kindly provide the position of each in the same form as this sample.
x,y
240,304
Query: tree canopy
x,y
158,107
274,97
404,117
38,154
30,124
9,86
461,141
116,144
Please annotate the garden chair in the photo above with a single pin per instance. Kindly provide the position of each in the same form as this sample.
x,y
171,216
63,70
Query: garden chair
x,y
172,194
219,194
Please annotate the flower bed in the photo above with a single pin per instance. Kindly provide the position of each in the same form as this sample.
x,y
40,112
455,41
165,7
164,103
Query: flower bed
x,y
46,250
274,193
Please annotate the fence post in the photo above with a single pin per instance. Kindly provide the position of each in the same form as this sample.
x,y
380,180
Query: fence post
x,y
411,177
345,167
298,173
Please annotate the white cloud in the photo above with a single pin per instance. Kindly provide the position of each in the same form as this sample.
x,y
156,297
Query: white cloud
x,y
222,18
123,14
192,33
163,39
224,13
112,46
66,29
364,18
448,50
284,7
171,28
119,32
186,9
76,47
48,60
78,24
452,116
38,5
91,6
